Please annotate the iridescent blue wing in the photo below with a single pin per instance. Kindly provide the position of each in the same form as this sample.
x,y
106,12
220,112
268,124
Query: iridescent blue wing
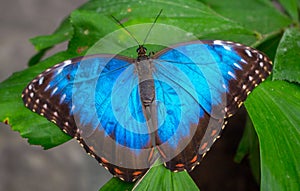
x,y
198,85
95,99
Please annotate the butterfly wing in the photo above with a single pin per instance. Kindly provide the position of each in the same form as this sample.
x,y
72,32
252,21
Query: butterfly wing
x,y
204,82
95,99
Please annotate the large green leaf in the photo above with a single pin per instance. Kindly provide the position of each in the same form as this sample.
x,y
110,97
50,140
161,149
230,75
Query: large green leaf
x,y
274,108
160,178
287,65
157,178
194,17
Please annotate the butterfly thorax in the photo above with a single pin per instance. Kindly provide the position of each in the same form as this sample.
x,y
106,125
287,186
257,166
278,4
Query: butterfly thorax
x,y
144,68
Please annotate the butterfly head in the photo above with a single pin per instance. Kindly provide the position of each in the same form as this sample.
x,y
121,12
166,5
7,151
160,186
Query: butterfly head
x,y
141,50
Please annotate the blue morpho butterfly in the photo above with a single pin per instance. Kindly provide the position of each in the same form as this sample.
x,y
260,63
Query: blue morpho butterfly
x,y
128,113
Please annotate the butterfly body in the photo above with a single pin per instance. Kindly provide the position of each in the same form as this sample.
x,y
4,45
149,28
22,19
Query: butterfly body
x,y
144,69
128,113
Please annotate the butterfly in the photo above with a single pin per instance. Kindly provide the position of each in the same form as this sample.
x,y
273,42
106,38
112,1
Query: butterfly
x,y
171,106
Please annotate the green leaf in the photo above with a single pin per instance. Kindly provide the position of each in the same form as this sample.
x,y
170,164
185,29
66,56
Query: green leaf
x,y
258,15
89,28
291,7
274,108
160,178
117,185
194,16
287,65
63,33
157,178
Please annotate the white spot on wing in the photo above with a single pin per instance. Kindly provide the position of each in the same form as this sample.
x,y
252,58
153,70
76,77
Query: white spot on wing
x,y
41,80
226,109
72,109
261,64
224,86
54,90
218,42
238,66
244,61
231,74
227,47
48,86
248,52
59,70
67,62
62,98
30,87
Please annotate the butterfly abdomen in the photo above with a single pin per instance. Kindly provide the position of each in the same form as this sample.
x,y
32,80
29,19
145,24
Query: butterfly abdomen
x,y
147,94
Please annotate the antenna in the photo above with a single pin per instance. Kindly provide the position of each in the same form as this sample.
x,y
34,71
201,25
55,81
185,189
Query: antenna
x,y
131,34
125,29
152,26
